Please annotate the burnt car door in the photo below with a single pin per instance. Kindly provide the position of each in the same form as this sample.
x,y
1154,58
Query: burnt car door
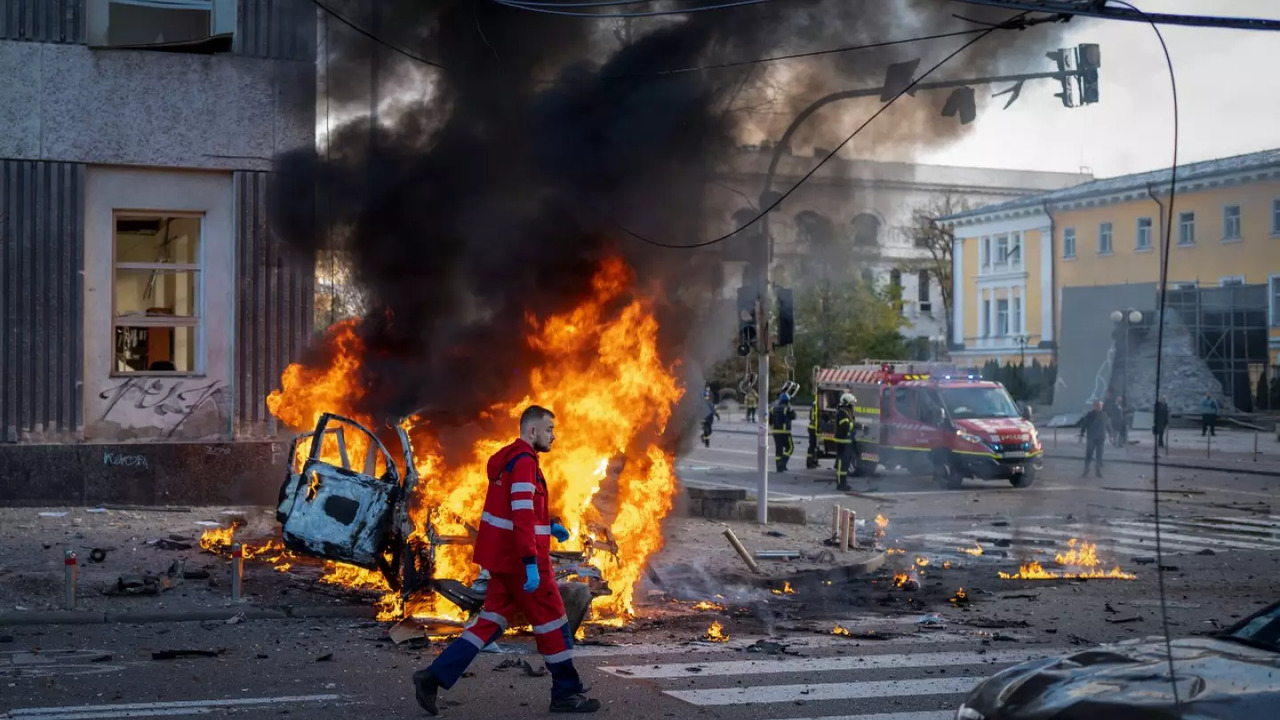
x,y
332,511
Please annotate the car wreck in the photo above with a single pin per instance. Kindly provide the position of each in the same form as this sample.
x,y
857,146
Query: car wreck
x,y
1232,674
330,510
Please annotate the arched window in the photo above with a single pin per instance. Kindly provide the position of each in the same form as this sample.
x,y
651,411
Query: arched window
x,y
813,232
866,230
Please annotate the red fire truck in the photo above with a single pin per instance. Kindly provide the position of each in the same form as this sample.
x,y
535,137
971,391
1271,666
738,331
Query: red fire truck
x,y
930,419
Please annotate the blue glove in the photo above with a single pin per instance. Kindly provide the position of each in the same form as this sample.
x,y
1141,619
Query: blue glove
x,y
531,579
559,532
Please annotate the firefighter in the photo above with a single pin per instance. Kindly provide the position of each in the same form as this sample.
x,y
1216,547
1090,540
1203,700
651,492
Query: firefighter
x,y
751,403
780,419
811,457
514,545
846,447
710,415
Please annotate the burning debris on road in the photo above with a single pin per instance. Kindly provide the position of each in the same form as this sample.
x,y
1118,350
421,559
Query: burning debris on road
x,y
1080,554
716,633
975,551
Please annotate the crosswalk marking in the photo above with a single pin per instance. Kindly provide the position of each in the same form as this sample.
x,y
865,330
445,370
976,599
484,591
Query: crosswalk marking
x,y
926,715
1122,536
815,692
844,662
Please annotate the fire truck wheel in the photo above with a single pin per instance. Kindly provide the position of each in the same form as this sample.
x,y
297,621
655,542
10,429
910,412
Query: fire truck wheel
x,y
945,474
1025,479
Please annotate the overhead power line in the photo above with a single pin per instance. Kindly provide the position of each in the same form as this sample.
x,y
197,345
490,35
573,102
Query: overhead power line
x,y
827,158
1131,14
342,19
539,8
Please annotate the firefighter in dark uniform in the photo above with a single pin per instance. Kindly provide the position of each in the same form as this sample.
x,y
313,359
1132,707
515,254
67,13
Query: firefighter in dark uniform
x,y
846,446
811,457
780,419
710,414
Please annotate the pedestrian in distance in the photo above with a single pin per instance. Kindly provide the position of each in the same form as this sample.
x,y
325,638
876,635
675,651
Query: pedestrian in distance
x,y
514,545
1208,414
1094,429
1160,420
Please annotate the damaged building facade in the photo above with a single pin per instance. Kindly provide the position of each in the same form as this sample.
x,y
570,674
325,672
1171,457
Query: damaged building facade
x,y
1072,277
147,307
864,206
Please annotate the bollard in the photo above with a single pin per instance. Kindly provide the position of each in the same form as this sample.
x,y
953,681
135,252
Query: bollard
x,y
853,529
237,571
837,517
69,580
742,551
844,530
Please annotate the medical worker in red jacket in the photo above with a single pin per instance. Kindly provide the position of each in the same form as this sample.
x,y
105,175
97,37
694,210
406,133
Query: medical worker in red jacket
x,y
514,545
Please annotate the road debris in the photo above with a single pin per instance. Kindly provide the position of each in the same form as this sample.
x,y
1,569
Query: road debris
x,y
742,551
177,654
716,633
148,583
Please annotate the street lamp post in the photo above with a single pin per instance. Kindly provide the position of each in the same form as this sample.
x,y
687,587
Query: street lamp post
x,y
1021,340
1126,319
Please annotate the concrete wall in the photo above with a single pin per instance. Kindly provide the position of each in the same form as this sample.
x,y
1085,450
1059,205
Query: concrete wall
x,y
139,407
71,103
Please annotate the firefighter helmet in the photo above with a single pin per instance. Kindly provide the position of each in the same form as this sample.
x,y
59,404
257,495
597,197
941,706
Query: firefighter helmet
x,y
785,398
848,399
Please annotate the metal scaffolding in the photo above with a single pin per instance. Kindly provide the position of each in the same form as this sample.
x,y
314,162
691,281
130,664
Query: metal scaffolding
x,y
1229,328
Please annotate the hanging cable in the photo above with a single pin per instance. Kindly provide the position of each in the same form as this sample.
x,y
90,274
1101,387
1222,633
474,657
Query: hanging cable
x,y
1164,284
342,19
529,7
827,158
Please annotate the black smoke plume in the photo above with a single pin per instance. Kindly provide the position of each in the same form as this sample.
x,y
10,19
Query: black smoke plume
x,y
492,188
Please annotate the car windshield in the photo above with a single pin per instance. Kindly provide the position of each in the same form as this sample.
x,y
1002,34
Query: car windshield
x,y
979,402
1262,631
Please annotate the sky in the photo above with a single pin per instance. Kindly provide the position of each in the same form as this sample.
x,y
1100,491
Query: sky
x,y
1228,93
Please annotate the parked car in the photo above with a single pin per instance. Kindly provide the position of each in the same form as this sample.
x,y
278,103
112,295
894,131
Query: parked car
x,y
1232,675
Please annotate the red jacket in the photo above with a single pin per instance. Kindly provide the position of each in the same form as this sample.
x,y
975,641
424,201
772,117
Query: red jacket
x,y
515,528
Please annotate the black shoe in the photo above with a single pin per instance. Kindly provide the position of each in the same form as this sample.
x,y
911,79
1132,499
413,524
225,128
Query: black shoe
x,y
575,704
425,686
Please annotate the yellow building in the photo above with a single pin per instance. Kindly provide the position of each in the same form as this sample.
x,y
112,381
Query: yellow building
x,y
1013,263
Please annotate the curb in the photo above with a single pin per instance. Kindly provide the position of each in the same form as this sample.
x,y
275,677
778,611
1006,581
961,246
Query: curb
x,y
90,617
1176,465
835,574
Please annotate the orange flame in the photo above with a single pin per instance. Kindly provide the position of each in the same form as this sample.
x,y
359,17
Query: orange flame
x,y
922,561
786,589
882,522
840,630
716,633
975,551
1033,571
707,605
604,378
960,597
1083,555
217,540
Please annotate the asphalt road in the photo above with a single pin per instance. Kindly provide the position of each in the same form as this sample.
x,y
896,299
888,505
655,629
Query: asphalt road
x,y
1222,554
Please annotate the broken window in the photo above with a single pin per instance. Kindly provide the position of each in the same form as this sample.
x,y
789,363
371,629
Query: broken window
x,y
156,293
181,25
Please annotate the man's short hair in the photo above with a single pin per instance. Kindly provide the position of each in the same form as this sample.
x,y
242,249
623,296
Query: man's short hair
x,y
533,414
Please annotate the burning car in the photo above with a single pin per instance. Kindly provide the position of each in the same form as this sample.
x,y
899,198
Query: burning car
x,y
1232,674
330,510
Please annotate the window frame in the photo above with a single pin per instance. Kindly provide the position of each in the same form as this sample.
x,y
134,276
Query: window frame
x,y
1068,233
1187,219
1138,245
1002,332
1001,259
195,322
1227,232
1106,230
1275,217
223,19
1230,280
1273,300
1015,315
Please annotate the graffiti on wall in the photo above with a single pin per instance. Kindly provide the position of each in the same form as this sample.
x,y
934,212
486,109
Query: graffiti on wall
x,y
168,405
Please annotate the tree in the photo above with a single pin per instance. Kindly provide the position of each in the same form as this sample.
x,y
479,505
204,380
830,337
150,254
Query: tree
x,y
936,239
842,320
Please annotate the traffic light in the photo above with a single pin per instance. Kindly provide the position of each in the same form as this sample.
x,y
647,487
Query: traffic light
x,y
1061,58
1088,60
747,326
962,103
786,318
